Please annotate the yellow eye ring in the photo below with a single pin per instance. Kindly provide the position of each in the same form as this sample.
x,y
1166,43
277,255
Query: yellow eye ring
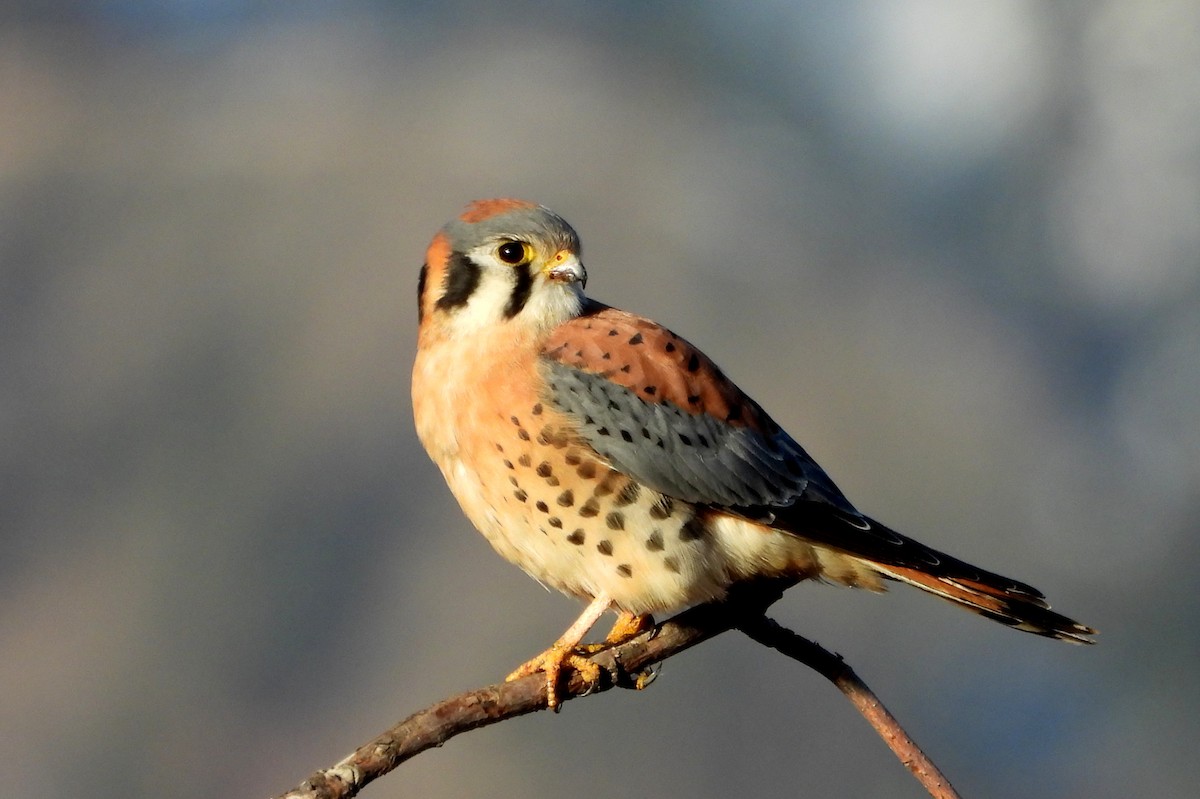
x,y
514,253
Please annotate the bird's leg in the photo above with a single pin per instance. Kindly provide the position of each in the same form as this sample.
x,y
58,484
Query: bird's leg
x,y
627,627
565,652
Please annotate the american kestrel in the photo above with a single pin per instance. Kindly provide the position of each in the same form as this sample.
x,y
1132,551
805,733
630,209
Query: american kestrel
x,y
611,459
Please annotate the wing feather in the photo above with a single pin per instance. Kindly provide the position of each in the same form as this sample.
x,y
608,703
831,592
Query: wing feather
x,y
659,410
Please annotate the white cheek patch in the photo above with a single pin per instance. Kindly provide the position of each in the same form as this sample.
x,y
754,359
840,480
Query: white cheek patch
x,y
485,306
549,304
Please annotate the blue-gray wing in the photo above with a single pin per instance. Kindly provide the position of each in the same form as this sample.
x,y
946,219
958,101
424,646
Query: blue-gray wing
x,y
658,410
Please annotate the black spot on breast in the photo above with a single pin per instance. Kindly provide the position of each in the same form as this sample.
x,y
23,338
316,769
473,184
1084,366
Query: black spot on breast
x,y
628,436
693,399
628,494
605,547
651,390
589,509
687,442
636,339
520,495
671,564
537,409
525,460
693,363
625,570
566,499
613,332
523,434
670,346
577,537
603,431
515,420
554,522
544,469
573,458
587,470
508,464
615,521
702,439
735,414
542,506
663,508
655,542
693,530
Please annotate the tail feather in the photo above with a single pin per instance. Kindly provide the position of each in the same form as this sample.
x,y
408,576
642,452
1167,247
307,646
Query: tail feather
x,y
898,557
1018,610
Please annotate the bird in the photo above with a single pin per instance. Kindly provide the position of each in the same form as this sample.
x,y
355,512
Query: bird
x,y
612,460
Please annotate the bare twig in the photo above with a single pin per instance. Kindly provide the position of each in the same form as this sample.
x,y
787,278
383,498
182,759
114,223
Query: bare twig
x,y
831,666
621,666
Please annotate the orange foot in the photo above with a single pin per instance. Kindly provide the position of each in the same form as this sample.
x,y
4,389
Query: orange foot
x,y
552,662
627,627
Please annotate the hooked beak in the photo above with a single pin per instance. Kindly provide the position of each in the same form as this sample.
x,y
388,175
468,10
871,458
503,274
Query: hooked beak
x,y
565,268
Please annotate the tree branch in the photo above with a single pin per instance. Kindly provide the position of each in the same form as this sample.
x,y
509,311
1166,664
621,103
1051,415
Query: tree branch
x,y
624,666
770,633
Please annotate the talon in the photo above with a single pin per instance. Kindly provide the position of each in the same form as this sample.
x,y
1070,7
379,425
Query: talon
x,y
644,678
552,662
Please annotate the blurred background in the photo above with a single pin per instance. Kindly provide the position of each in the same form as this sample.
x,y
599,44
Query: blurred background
x,y
952,247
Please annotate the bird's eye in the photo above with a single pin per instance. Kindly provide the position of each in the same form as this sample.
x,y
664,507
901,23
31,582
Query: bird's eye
x,y
514,253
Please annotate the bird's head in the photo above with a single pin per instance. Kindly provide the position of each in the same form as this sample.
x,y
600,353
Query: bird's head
x,y
502,262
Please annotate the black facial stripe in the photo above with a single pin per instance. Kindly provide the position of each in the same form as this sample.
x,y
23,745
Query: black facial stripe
x,y
421,292
520,292
462,278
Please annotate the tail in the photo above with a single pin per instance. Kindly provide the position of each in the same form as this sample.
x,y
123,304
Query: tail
x,y
897,557
992,596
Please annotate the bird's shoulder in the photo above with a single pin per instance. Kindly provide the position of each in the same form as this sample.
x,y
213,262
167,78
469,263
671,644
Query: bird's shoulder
x,y
656,364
